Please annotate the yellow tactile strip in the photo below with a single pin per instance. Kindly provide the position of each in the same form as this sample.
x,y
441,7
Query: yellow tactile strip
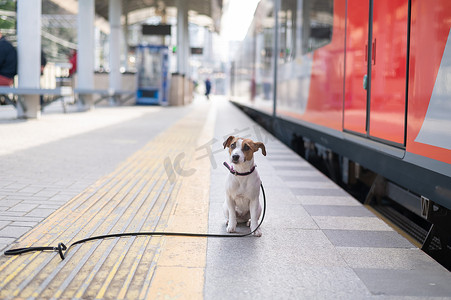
x,y
138,196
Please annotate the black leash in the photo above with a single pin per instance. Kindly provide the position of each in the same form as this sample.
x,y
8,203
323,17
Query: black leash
x,y
63,249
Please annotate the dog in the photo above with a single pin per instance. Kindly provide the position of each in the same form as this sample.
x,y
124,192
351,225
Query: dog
x,y
242,184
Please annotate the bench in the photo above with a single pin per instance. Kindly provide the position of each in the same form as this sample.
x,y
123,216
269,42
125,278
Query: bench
x,y
117,96
58,94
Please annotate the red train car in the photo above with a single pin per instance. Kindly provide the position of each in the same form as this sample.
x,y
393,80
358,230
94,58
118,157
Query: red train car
x,y
366,83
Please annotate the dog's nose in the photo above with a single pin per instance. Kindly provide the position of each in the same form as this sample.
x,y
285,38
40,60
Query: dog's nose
x,y
235,157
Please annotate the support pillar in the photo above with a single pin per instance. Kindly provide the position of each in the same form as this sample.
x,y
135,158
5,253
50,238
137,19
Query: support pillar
x,y
124,59
115,76
85,56
182,37
29,53
183,49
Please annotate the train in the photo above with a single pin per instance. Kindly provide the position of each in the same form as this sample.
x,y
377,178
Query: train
x,y
363,84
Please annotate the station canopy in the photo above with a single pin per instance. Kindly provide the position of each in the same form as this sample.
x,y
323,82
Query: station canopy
x,y
203,12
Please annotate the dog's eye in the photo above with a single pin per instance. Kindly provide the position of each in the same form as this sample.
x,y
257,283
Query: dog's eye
x,y
233,146
246,148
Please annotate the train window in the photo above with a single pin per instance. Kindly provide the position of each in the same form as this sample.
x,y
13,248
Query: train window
x,y
317,24
287,21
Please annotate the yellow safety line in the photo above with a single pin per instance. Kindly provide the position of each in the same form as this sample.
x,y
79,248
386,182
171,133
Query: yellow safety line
x,y
179,273
113,272
132,270
149,277
90,277
62,266
62,288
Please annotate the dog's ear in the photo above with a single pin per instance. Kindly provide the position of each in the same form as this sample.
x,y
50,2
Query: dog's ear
x,y
228,141
260,145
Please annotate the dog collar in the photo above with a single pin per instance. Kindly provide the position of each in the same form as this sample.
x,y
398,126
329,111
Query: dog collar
x,y
238,173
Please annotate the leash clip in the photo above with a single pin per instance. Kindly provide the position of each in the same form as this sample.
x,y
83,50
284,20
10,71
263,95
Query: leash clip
x,y
61,247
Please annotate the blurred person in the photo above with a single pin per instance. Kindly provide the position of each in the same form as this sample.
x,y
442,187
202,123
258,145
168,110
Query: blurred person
x,y
73,61
207,88
8,62
43,64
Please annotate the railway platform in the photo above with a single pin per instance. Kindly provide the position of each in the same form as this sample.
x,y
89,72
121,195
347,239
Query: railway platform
x,y
141,169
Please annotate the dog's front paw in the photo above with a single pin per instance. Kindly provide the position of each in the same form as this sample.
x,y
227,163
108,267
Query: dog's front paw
x,y
258,233
231,228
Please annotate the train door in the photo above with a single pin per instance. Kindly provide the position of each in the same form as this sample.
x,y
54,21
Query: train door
x,y
356,79
377,108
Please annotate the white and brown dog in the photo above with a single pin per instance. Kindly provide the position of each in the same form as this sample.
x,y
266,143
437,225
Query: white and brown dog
x,y
242,184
